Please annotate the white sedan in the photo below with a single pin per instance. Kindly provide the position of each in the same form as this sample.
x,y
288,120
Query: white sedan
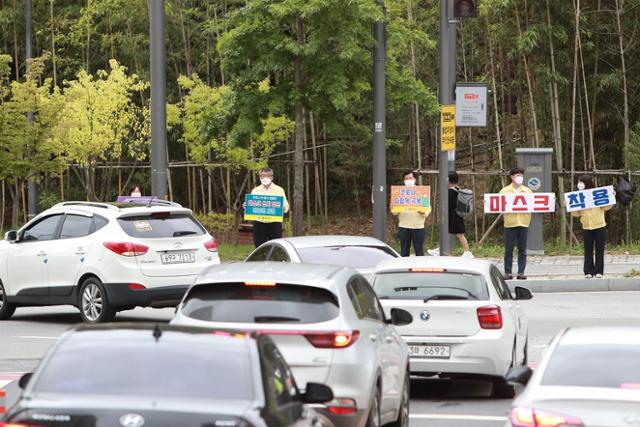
x,y
328,324
589,376
466,323
358,252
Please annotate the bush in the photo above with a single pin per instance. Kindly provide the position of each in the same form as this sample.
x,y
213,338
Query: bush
x,y
218,224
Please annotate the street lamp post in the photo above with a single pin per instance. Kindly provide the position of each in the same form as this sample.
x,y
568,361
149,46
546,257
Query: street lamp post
x,y
379,131
446,159
158,101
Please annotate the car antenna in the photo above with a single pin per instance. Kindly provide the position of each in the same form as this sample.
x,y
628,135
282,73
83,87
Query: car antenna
x,y
157,332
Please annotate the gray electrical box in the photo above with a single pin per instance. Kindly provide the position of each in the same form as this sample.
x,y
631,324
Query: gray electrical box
x,y
537,165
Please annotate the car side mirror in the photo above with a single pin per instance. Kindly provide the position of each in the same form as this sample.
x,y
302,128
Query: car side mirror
x,y
24,380
400,317
11,236
523,293
519,375
317,393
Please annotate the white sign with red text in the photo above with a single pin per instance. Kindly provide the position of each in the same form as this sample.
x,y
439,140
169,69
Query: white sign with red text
x,y
520,203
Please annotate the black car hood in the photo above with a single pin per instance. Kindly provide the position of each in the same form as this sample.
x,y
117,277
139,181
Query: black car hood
x,y
107,411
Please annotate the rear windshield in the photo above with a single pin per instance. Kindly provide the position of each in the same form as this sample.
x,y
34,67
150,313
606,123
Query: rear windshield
x,y
346,256
161,225
610,366
238,303
409,285
146,368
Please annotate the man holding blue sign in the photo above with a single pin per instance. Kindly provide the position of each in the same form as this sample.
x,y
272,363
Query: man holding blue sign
x,y
589,204
266,206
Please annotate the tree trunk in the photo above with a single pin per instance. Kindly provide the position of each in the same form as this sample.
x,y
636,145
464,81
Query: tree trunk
x,y
557,130
625,92
532,104
494,94
53,44
298,156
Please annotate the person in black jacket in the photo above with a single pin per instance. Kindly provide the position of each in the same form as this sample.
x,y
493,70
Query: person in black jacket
x,y
456,222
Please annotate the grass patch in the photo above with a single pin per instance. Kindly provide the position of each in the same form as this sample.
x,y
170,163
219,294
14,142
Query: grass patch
x,y
229,252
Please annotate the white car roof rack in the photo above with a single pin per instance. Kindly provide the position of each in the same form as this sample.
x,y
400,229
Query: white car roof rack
x,y
88,204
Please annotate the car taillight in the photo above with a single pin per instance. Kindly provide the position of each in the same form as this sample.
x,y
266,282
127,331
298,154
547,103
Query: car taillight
x,y
137,287
335,339
211,245
490,317
527,417
126,249
342,339
342,406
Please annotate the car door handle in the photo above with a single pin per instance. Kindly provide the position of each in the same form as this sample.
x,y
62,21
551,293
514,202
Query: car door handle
x,y
42,253
389,340
373,338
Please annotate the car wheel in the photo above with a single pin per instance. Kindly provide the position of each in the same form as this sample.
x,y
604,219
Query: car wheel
x,y
374,411
502,389
6,309
94,307
403,412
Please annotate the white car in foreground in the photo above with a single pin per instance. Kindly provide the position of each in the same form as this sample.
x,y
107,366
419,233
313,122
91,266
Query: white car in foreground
x,y
589,376
103,258
465,323
328,324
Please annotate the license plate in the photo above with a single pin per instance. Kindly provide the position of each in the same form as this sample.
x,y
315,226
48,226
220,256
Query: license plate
x,y
430,351
178,257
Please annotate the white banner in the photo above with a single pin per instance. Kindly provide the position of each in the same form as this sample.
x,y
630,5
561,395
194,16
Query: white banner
x,y
591,198
520,203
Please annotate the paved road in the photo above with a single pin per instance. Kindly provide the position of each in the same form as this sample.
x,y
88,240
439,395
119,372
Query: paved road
x,y
435,403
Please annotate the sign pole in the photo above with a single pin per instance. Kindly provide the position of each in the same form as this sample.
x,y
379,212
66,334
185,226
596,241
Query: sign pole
x,y
447,44
158,101
379,131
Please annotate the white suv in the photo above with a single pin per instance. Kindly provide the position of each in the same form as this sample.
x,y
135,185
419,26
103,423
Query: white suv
x,y
104,258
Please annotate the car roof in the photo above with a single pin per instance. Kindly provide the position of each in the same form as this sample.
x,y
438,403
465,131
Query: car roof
x,y
330,240
268,270
447,262
114,209
121,332
594,335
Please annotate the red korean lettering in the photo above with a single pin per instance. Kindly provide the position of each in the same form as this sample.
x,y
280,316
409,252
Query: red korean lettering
x,y
541,203
519,204
497,203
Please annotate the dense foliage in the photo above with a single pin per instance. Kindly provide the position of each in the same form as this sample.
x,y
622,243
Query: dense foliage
x,y
288,83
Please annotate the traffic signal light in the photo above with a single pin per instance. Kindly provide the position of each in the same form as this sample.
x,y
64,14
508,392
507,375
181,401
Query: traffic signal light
x,y
465,8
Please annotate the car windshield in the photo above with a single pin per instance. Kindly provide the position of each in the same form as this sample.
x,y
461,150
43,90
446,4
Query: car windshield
x,y
346,256
584,366
240,303
161,225
426,286
148,368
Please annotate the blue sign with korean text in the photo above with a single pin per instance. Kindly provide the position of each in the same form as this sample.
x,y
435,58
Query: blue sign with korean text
x,y
263,208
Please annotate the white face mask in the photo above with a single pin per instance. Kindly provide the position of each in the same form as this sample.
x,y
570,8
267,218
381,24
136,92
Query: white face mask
x,y
581,186
409,182
519,180
265,181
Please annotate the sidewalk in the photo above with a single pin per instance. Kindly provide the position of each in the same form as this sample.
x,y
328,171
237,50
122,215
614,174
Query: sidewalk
x,y
564,274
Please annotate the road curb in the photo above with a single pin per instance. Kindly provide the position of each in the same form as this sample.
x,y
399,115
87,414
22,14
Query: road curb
x,y
578,285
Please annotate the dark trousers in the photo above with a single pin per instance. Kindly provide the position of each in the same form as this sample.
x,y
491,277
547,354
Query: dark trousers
x,y
515,236
597,237
408,235
265,231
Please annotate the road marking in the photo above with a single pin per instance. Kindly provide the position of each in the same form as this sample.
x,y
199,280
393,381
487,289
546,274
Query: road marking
x,y
458,417
35,337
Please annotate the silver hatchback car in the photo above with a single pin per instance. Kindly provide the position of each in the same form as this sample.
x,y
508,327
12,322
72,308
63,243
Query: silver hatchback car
x,y
328,324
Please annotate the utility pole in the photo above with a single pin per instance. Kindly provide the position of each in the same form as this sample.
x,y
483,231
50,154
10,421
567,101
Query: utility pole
x,y
379,131
158,101
446,159
32,187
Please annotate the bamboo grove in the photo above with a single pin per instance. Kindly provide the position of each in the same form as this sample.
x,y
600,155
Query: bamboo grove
x,y
289,83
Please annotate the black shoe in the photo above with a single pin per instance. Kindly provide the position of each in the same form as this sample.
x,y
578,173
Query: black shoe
x,y
522,277
508,277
